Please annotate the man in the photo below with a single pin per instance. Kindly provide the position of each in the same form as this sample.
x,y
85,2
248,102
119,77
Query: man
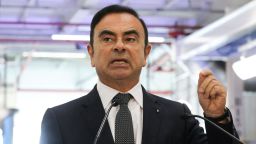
x,y
118,50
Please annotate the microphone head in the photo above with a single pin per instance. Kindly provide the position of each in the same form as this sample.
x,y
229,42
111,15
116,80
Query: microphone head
x,y
115,101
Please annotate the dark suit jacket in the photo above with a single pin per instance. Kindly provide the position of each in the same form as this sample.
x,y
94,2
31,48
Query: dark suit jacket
x,y
78,121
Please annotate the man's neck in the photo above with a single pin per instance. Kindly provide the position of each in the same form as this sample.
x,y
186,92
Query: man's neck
x,y
121,85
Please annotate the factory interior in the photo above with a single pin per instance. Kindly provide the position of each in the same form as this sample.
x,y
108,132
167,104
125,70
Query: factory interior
x,y
44,60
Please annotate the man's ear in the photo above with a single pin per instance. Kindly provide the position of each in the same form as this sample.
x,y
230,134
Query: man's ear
x,y
91,53
146,52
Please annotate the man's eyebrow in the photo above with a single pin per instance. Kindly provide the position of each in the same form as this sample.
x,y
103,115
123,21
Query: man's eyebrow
x,y
131,32
106,32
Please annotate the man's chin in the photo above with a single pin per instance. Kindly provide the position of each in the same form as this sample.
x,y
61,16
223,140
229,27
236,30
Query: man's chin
x,y
120,77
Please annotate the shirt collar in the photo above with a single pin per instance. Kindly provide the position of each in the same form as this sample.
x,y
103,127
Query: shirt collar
x,y
107,93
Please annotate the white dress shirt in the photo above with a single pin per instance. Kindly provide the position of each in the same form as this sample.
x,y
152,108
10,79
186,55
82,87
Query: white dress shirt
x,y
135,105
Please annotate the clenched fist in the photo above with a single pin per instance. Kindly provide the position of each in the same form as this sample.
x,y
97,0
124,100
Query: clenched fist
x,y
212,94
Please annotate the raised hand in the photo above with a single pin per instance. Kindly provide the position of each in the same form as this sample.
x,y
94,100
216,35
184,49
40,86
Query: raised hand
x,y
212,94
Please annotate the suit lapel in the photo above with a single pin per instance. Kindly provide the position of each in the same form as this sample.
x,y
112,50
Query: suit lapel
x,y
151,119
94,113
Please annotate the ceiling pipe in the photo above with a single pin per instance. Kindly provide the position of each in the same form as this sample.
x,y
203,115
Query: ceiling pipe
x,y
38,41
87,24
3,40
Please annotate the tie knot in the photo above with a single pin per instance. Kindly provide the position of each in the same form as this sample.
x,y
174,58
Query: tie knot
x,y
123,98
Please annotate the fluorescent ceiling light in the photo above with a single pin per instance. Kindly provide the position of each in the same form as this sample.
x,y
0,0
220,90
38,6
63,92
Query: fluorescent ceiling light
x,y
61,55
156,39
245,68
71,37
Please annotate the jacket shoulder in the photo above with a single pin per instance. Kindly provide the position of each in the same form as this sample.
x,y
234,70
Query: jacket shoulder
x,y
169,105
78,102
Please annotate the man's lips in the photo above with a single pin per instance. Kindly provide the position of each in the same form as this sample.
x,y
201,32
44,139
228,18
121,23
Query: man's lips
x,y
119,61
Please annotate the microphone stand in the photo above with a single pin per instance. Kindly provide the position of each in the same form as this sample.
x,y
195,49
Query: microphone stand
x,y
212,123
114,103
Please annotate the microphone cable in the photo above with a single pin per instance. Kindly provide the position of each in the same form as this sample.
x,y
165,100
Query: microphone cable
x,y
187,116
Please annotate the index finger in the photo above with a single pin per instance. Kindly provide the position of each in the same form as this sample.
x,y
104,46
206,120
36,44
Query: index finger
x,y
206,72
202,75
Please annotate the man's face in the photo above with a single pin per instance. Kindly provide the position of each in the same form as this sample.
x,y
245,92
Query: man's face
x,y
118,51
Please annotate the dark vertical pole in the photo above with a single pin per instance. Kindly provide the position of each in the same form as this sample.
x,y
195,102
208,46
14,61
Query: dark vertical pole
x,y
8,127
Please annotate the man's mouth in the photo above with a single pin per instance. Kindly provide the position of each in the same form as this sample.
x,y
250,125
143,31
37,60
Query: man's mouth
x,y
119,61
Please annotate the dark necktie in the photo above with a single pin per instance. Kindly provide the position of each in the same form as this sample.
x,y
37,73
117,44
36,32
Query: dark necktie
x,y
123,126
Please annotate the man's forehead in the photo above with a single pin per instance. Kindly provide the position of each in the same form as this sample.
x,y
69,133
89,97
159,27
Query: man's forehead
x,y
120,15
119,22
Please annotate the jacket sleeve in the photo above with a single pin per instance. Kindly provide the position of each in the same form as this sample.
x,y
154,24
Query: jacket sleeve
x,y
50,131
216,136
196,135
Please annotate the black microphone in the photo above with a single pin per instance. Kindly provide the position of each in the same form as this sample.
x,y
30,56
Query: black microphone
x,y
187,116
113,103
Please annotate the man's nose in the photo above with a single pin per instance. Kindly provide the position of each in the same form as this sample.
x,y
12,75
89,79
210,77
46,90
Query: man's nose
x,y
119,46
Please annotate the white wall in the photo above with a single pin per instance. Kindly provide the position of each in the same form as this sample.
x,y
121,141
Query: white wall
x,y
31,106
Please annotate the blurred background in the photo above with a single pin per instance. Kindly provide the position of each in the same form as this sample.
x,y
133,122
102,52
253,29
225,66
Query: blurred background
x,y
44,61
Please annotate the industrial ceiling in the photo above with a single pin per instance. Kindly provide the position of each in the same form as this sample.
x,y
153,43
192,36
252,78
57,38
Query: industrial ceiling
x,y
30,21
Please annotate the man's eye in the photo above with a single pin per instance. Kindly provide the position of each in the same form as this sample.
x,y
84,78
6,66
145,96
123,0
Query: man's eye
x,y
107,39
130,39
